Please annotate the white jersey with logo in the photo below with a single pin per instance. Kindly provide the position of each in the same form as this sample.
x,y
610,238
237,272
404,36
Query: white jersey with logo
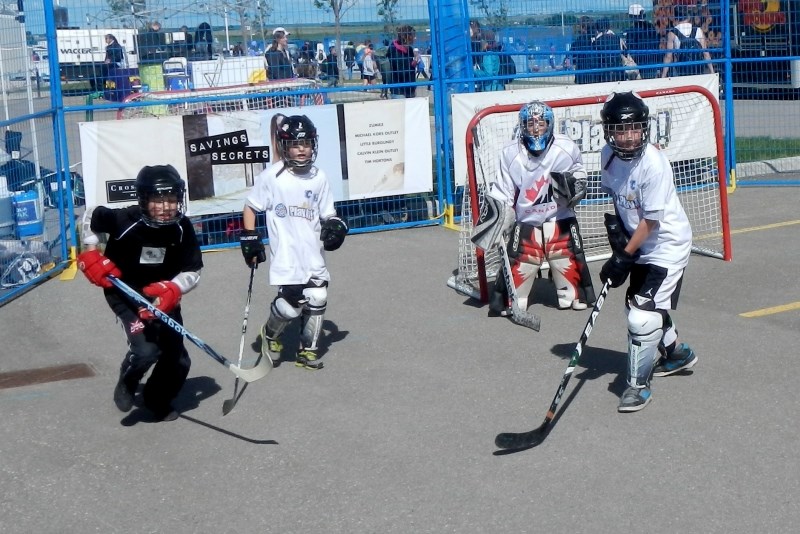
x,y
643,188
524,180
295,204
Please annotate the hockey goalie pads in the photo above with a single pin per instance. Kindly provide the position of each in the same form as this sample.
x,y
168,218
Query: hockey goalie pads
x,y
332,234
495,219
569,187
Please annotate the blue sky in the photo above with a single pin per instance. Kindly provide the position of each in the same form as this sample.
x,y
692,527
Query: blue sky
x,y
175,13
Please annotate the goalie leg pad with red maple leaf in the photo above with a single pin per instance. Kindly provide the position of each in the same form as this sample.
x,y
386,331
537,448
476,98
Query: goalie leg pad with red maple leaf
x,y
564,251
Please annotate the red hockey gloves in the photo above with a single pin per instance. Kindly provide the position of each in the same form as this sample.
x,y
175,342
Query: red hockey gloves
x,y
617,268
97,267
167,295
333,232
252,247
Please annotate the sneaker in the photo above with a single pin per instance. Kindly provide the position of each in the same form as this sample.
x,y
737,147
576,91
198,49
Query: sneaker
x,y
308,359
634,399
576,305
682,358
125,390
163,413
123,396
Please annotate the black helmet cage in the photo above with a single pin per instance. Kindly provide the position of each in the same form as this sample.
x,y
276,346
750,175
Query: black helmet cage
x,y
621,112
156,182
293,129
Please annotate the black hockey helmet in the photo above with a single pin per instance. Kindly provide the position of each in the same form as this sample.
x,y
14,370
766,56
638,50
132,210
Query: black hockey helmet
x,y
156,183
293,129
626,112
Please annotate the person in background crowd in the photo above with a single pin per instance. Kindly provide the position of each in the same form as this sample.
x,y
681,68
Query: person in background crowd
x,y
642,41
279,63
401,61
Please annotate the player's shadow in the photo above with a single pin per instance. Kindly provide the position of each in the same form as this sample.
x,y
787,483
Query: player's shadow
x,y
194,390
290,338
596,362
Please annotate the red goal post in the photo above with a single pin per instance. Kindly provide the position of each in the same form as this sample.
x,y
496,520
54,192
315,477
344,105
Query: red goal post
x,y
685,122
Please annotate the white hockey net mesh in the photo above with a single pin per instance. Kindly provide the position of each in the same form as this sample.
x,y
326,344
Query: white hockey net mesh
x,y
684,122
265,95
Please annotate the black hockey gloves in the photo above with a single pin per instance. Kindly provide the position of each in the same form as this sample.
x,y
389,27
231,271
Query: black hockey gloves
x,y
252,247
618,237
617,268
332,233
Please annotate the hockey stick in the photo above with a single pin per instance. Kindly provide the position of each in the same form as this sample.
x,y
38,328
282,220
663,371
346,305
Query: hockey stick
x,y
228,404
248,375
524,440
519,316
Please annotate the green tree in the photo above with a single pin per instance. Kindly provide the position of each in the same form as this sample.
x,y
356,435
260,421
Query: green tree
x,y
388,11
494,11
338,8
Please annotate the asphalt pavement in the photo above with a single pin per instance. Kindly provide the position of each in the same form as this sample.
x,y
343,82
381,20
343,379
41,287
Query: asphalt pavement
x,y
396,433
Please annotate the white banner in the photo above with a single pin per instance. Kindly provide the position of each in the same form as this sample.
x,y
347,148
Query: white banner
x,y
367,149
466,105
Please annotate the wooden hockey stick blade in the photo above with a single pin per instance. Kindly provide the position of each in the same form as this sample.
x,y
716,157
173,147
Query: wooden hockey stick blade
x,y
254,373
522,440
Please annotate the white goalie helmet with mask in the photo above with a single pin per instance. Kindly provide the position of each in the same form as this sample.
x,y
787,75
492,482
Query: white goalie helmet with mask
x,y
298,130
162,186
626,124
536,123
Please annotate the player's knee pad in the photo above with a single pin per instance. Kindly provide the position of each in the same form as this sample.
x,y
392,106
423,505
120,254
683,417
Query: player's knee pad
x,y
316,297
645,328
282,311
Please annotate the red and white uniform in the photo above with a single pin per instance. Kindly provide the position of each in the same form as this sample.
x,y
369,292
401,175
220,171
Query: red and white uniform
x,y
524,181
524,184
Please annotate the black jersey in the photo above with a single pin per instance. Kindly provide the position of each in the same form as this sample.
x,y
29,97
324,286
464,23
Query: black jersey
x,y
146,254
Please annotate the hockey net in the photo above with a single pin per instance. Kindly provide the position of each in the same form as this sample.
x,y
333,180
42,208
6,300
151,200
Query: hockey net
x,y
685,122
265,95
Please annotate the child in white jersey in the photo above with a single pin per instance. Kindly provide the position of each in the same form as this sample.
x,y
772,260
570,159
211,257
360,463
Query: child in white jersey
x,y
651,240
301,221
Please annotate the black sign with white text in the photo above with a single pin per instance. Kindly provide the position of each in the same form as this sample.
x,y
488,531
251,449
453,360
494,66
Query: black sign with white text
x,y
251,154
121,190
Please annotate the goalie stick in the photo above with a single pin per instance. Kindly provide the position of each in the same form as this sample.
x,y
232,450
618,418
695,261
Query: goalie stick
x,y
525,440
248,375
228,404
518,315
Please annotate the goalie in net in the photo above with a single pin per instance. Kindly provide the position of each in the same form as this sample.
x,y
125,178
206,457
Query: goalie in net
x,y
685,123
541,178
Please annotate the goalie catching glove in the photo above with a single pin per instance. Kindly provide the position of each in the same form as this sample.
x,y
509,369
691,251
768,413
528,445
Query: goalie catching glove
x,y
494,220
252,247
97,267
569,187
332,234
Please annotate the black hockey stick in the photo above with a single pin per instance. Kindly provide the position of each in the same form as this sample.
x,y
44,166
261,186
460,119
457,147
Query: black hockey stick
x,y
248,375
525,440
228,404
518,315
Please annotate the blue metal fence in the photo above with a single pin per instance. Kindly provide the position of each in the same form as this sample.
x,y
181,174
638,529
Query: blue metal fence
x,y
54,75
